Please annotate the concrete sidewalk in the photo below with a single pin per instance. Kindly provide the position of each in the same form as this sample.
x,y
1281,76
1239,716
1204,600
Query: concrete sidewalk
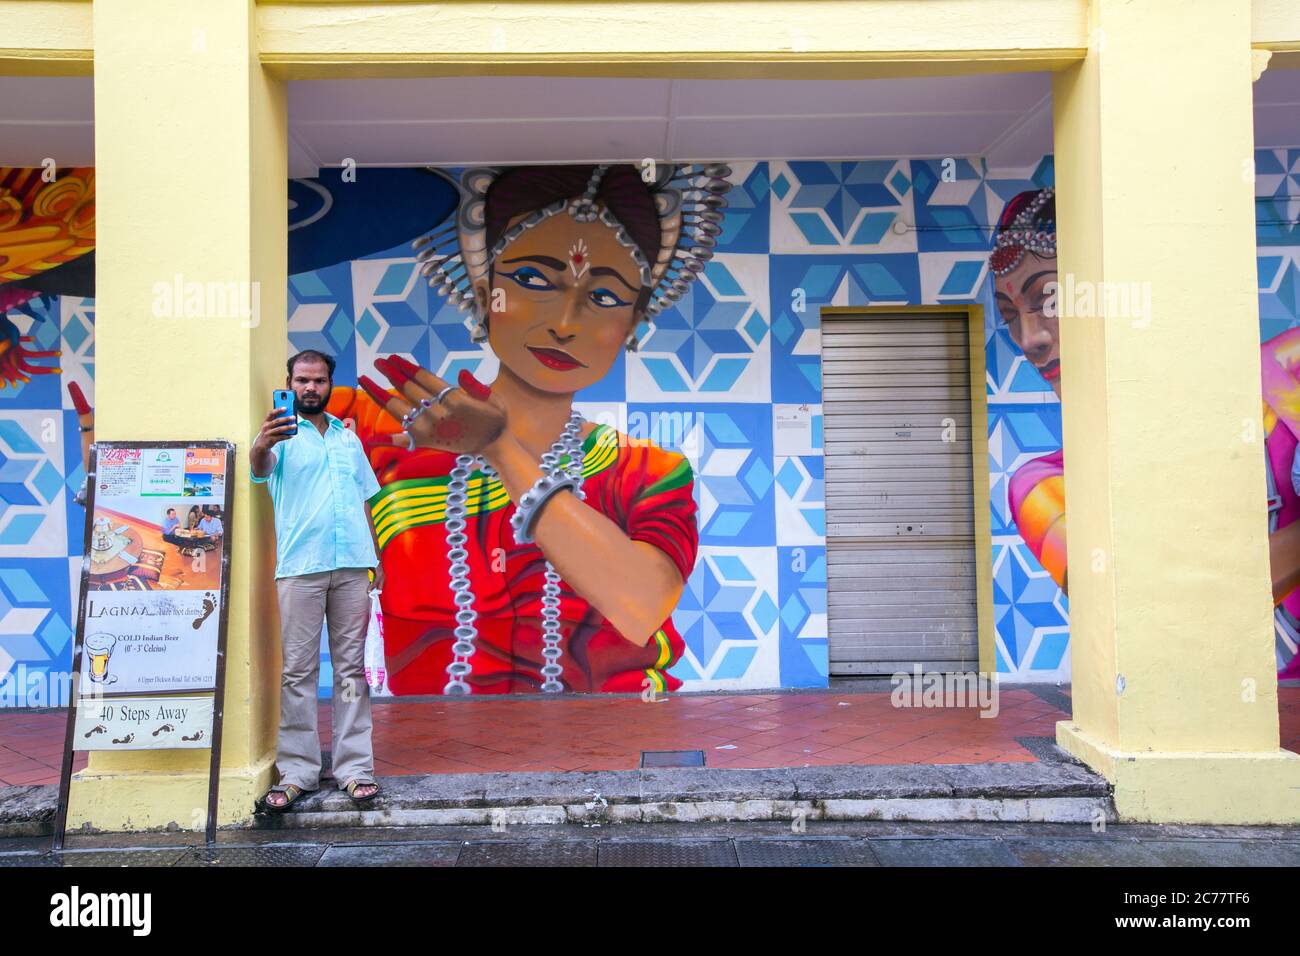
x,y
1051,788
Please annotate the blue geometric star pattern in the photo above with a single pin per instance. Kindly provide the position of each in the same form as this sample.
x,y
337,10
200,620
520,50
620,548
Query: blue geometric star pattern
x,y
1277,197
1030,612
712,345
1017,435
35,631
952,276
1279,291
450,345
801,590
77,360
320,316
800,499
800,285
745,228
727,617
958,201
730,450
842,207
32,515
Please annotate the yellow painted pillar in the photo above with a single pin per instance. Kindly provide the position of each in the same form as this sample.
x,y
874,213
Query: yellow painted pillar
x,y
190,143
1175,698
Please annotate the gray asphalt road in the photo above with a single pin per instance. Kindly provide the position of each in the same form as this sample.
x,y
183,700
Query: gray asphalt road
x,y
676,845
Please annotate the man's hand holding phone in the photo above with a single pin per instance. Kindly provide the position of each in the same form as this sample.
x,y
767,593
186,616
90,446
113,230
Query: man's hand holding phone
x,y
278,425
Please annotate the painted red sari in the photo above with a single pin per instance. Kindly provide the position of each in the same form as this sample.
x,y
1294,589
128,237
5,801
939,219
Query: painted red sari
x,y
645,490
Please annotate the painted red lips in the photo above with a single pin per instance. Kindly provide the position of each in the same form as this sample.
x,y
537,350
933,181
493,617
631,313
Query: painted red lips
x,y
555,359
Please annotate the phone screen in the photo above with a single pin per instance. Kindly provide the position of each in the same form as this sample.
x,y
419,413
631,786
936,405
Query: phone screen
x,y
283,398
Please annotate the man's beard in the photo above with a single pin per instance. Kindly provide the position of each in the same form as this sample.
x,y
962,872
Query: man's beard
x,y
314,407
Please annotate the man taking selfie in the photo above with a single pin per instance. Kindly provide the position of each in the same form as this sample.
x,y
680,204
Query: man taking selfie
x,y
320,482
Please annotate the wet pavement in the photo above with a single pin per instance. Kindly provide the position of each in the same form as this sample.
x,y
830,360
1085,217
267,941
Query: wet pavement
x,y
687,845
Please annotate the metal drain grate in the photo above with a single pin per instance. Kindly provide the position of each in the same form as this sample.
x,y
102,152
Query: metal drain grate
x,y
253,856
664,853
672,758
392,854
566,853
805,853
75,858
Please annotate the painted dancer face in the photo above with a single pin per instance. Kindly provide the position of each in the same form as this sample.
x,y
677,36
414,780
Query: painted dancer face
x,y
564,294
1031,314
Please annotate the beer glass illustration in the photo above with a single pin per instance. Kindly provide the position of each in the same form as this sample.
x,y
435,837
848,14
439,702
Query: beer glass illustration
x,y
100,648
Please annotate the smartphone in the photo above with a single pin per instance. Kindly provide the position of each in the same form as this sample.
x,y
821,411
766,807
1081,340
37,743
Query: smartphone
x,y
283,398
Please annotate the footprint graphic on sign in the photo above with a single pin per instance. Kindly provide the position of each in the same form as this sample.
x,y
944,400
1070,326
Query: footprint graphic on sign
x,y
124,740
97,729
198,735
165,727
209,605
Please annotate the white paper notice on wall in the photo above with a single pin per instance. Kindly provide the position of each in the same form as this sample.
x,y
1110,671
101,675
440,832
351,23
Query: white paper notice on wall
x,y
143,723
792,429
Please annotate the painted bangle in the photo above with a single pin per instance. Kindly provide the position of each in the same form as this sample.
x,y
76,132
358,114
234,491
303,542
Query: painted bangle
x,y
531,502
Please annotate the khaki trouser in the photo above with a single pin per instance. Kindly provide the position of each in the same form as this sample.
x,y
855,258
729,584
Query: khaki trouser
x,y
342,597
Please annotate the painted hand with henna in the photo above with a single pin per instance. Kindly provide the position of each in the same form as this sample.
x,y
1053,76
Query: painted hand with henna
x,y
16,367
467,420
86,421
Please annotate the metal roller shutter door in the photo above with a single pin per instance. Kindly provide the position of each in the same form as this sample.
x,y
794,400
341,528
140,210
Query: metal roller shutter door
x,y
900,530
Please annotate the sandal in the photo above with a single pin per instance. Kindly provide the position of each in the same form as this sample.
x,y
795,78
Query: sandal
x,y
354,785
293,793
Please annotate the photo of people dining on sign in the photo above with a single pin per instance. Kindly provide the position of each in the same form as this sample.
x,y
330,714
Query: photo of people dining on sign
x,y
136,552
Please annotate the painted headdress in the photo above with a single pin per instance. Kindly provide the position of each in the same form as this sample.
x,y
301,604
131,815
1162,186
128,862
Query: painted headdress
x,y
1027,224
688,199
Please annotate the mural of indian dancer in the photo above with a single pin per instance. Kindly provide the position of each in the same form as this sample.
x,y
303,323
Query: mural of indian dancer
x,y
1023,266
496,582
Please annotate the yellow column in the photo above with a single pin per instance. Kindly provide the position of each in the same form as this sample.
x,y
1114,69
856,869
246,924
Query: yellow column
x,y
1175,698
190,142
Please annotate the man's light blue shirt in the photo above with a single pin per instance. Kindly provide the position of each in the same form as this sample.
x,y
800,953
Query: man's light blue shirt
x,y
320,486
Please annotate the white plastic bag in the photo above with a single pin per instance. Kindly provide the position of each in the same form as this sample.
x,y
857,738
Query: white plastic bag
x,y
376,674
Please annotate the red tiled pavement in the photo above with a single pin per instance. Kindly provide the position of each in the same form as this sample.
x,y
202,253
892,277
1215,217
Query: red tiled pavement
x,y
609,733
31,746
